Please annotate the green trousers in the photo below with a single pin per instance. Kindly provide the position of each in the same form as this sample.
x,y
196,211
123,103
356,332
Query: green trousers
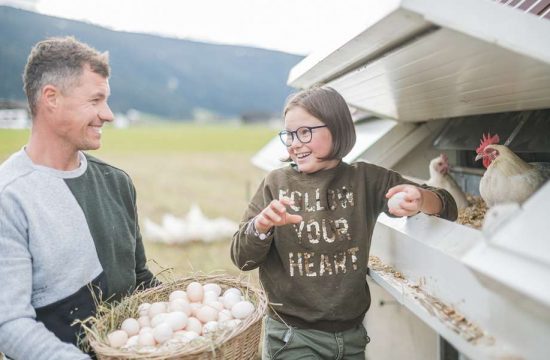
x,y
288,343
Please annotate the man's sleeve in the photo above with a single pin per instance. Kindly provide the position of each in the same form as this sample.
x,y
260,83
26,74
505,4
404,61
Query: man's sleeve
x,y
144,277
21,336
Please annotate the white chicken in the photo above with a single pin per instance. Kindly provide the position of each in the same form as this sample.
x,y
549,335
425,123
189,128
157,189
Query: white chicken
x,y
440,177
193,227
507,178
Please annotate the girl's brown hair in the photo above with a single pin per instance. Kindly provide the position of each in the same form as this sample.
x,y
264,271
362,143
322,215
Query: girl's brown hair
x,y
327,105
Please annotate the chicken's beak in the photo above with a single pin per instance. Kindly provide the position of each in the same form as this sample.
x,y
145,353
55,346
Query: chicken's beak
x,y
479,157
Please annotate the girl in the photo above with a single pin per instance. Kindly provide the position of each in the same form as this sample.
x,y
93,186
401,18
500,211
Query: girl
x,y
309,227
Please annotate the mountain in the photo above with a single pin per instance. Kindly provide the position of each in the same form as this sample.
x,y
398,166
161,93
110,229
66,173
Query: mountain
x,y
159,75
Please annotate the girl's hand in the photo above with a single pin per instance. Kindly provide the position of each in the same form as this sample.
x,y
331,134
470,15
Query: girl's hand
x,y
275,214
412,201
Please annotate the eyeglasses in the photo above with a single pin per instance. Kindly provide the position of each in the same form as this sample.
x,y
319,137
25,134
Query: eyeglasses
x,y
303,134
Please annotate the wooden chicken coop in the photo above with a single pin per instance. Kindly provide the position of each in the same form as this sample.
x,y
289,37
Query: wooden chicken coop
x,y
425,77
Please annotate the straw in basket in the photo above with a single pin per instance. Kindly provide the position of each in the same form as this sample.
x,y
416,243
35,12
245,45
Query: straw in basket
x,y
240,342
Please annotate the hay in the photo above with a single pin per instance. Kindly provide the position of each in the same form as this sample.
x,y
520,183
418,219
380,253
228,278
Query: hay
x,y
474,214
240,342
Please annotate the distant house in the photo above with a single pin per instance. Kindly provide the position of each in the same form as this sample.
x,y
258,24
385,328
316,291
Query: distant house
x,y
254,117
121,121
14,115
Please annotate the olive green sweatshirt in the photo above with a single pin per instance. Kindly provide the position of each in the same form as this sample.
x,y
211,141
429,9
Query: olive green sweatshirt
x,y
314,272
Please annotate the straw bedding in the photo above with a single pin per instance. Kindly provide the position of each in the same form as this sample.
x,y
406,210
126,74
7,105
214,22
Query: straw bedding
x,y
240,342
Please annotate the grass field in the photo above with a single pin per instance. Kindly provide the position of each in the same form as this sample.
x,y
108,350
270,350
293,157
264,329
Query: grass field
x,y
174,166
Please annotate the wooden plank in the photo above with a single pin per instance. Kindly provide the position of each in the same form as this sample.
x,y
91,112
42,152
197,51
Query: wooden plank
x,y
526,4
540,7
460,73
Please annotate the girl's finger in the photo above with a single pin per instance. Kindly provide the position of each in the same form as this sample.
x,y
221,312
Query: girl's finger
x,y
270,214
263,220
293,219
409,205
396,189
278,207
286,201
402,212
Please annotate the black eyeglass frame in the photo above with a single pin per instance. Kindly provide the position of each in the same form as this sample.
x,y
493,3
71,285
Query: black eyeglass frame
x,y
284,134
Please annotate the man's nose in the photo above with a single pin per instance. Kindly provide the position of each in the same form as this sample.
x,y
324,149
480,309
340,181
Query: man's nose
x,y
106,114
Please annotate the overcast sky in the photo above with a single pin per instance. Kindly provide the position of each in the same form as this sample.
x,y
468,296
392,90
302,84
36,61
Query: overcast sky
x,y
295,26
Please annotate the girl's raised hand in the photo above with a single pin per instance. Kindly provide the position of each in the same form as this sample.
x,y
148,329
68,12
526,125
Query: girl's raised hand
x,y
411,203
275,214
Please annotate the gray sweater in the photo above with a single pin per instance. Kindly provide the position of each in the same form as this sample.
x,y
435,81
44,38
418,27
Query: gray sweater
x,y
61,234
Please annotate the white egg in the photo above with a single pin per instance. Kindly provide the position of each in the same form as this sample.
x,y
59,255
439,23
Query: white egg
x,y
144,321
177,294
177,320
230,299
216,305
195,292
146,339
242,309
209,296
132,342
190,335
144,307
207,313
233,323
395,201
157,308
180,305
159,319
131,326
232,290
224,315
117,338
210,327
175,341
194,307
194,324
146,329
162,332
213,287
147,349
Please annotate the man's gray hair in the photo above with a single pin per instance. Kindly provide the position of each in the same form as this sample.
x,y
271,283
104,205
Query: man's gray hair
x,y
60,62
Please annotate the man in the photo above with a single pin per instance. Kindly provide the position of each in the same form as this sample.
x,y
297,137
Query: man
x,y
68,222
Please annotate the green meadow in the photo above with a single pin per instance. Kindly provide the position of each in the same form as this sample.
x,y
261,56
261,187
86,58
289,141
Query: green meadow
x,y
174,166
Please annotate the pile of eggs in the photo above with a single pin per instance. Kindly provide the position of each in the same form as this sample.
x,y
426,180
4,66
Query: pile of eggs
x,y
196,313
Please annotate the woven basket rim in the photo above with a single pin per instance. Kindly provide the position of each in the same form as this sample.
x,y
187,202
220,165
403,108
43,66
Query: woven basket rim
x,y
96,335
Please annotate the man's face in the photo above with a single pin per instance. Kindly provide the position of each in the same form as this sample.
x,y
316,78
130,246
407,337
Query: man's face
x,y
82,111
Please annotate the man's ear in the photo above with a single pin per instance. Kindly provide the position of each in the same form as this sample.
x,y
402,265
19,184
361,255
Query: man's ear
x,y
50,96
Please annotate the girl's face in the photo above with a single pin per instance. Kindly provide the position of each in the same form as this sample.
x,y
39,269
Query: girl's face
x,y
307,156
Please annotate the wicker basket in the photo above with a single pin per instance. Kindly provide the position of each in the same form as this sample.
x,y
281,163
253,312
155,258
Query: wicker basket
x,y
239,343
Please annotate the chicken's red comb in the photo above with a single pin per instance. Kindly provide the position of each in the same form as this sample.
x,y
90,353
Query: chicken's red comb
x,y
487,140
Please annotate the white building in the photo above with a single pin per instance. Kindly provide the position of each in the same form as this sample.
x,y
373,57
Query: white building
x,y
437,73
13,115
